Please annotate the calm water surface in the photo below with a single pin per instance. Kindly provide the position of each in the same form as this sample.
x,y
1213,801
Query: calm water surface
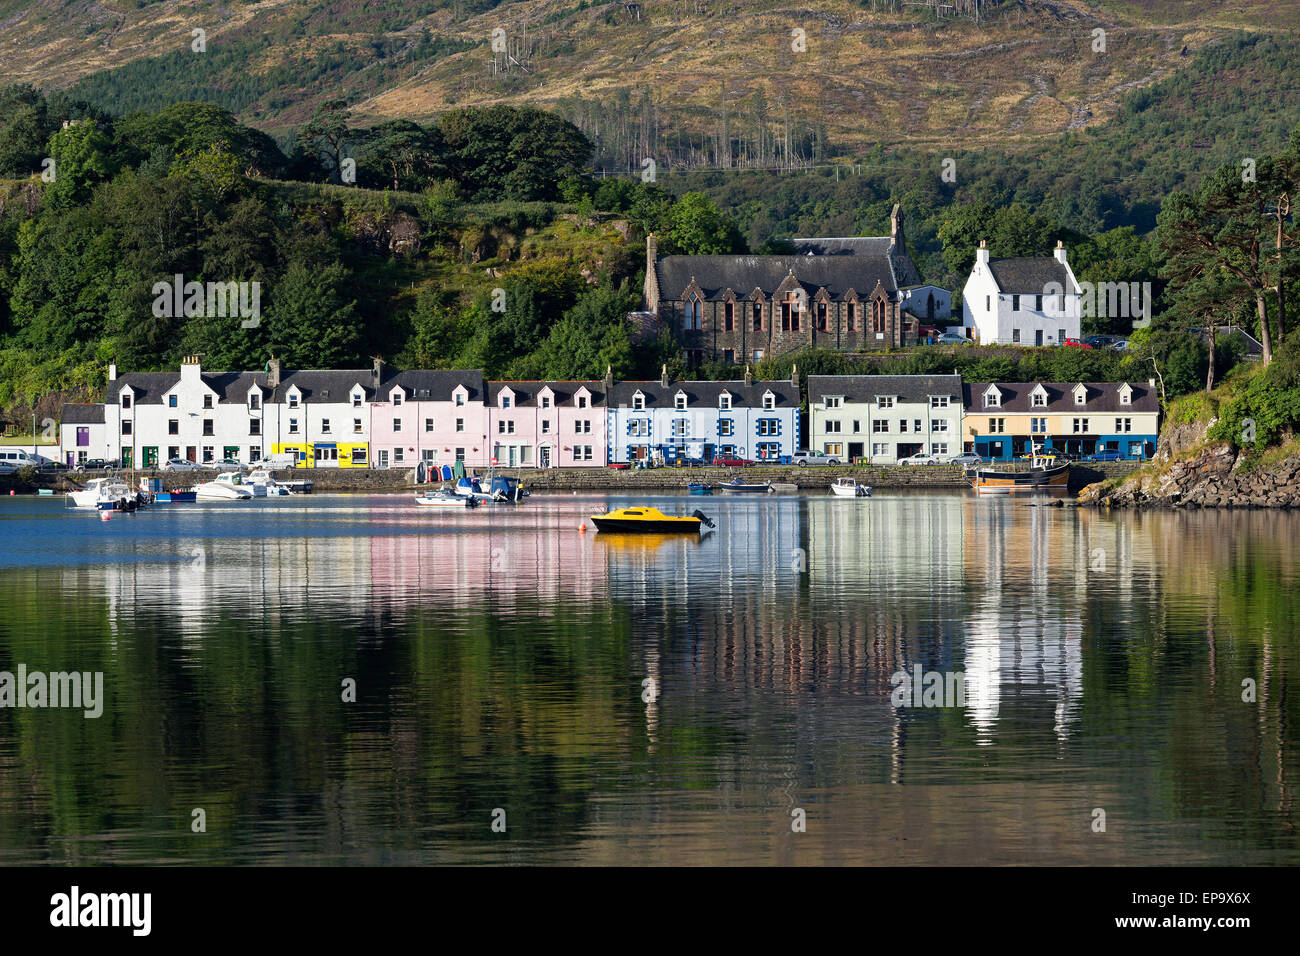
x,y
501,661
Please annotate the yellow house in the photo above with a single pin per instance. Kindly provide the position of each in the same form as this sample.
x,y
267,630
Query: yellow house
x,y
1004,420
327,454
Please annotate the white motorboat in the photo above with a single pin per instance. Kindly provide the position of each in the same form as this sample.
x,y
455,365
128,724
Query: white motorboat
x,y
103,493
264,486
848,488
227,486
442,498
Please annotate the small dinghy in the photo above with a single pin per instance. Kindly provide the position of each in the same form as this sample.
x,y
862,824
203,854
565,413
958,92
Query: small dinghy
x,y
445,499
699,488
741,487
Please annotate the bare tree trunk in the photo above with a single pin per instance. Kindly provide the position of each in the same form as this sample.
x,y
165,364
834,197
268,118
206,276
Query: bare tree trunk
x,y
1209,375
1265,339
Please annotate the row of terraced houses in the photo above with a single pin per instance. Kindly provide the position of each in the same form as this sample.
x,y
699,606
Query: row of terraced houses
x,y
387,418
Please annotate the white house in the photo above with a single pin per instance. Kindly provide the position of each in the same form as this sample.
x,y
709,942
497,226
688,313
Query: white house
x,y
702,420
82,434
1028,300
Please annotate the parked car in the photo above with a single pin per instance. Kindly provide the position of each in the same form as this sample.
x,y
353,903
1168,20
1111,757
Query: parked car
x,y
805,457
180,464
921,458
1104,456
1122,345
966,459
8,469
731,461
48,467
1076,343
94,464
953,338
1099,341
226,463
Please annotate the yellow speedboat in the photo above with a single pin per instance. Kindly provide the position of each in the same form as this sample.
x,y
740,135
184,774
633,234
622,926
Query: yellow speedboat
x,y
649,521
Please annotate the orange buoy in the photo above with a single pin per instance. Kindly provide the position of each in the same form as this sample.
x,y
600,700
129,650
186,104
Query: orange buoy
x,y
582,529
106,516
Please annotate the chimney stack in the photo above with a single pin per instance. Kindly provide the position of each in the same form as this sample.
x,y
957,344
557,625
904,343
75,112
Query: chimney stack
x,y
1060,252
982,253
112,371
663,376
273,373
794,375
749,375
651,277
376,373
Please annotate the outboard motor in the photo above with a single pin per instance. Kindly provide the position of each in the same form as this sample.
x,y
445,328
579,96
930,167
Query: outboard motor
x,y
703,517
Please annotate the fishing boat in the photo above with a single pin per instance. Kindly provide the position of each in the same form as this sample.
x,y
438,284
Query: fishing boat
x,y
699,488
650,521
264,486
848,488
227,486
500,488
105,494
1043,474
738,486
443,498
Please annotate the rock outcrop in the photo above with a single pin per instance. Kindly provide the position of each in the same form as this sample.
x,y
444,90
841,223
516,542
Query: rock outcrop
x,y
1211,477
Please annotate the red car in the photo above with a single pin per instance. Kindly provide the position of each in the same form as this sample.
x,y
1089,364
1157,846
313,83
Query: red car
x,y
1077,344
731,462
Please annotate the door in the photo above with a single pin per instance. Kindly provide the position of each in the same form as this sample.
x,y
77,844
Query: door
x,y
855,450
383,458
1038,336
191,453
544,456
150,456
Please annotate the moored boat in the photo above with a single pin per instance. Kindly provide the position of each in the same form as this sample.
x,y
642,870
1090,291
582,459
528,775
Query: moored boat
x,y
739,486
1043,474
848,488
106,494
650,521
227,486
699,488
443,498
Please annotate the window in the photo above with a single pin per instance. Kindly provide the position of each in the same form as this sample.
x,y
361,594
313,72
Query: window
x,y
1038,303
582,401
254,426
171,401
833,426
356,426
1038,426
729,356
988,303
582,453
397,425
681,427
428,424
638,401
857,426
694,314
878,316
460,424
126,399
546,401
126,427
325,426
902,426
833,401
1038,400
758,317
884,401
880,426
1080,397
832,448
939,448
207,453
1060,333
356,399
460,399
173,427
173,451
397,400
725,428
293,426
769,402
821,316
680,402
1125,398
992,399
758,355
1015,303
254,401
997,426
207,401
724,402
207,427
769,426
938,425
939,401
546,426
505,401
293,401
853,316
460,454
880,448
398,454
1123,425
1080,426
785,316
505,427
582,426
639,428
1015,336
728,316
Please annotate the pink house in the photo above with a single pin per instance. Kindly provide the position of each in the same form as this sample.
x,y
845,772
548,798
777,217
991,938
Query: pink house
x,y
434,416
547,424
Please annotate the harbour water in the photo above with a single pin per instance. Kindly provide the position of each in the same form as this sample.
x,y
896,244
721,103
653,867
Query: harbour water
x,y
623,700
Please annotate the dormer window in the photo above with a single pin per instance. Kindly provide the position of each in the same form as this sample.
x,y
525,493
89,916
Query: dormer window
x,y
724,402
254,401
126,399
397,397
460,398
992,399
769,401
884,401
638,402
1080,396
207,401
357,398
546,401
293,399
1125,398
582,401
679,402
505,400
833,401
1038,400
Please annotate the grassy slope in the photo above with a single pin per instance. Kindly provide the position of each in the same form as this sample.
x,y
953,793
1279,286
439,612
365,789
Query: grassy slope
x,y
874,77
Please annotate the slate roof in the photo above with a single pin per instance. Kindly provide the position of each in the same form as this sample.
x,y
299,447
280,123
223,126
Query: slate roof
x,y
705,394
844,246
865,388
742,274
82,414
526,392
1102,397
435,385
147,386
1029,275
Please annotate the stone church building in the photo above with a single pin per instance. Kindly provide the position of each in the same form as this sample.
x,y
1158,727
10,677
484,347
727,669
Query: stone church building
x,y
850,293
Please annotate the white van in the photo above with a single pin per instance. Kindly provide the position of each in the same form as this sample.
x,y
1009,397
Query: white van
x,y
19,458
